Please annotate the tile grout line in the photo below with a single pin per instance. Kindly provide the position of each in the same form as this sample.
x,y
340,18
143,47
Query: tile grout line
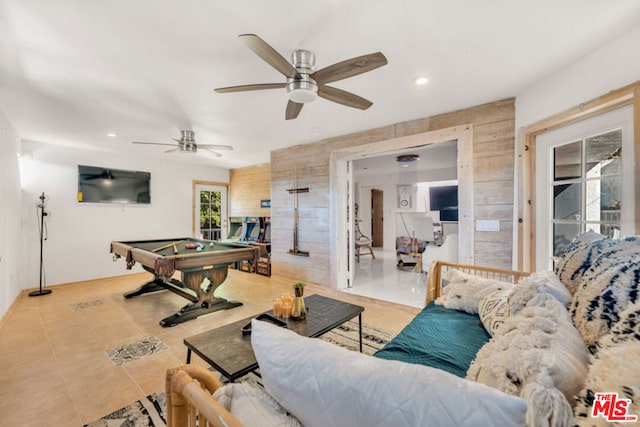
x,y
59,368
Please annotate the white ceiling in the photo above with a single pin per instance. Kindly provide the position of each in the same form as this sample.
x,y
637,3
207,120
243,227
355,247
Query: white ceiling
x,y
72,71
442,155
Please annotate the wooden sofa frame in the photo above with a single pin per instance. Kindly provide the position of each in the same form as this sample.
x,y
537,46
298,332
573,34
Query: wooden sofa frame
x,y
189,387
438,270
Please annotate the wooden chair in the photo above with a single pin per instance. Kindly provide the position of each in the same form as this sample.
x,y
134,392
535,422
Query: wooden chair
x,y
362,241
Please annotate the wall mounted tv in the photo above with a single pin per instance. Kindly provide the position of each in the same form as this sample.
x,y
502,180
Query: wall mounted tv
x,y
445,200
105,185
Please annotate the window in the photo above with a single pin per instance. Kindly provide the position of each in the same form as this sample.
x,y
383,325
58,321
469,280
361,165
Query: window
x,y
584,181
587,188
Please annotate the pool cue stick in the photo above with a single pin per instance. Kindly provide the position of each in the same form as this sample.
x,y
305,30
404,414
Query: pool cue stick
x,y
175,249
295,213
166,246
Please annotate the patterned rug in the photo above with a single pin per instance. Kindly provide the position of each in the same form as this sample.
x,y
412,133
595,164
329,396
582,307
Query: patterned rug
x,y
150,411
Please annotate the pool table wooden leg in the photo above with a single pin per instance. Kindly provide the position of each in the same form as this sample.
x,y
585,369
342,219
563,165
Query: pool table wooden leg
x,y
206,301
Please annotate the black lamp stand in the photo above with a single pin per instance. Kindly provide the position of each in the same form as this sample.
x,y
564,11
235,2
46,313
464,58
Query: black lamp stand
x,y
43,213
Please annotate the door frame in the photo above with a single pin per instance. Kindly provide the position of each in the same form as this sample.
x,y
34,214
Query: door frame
x,y
224,201
525,158
338,172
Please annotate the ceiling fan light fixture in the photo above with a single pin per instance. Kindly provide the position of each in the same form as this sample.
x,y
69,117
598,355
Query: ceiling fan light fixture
x,y
188,147
407,158
302,91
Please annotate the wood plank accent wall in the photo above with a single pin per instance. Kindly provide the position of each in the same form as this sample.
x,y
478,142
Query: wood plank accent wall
x,y
493,146
247,186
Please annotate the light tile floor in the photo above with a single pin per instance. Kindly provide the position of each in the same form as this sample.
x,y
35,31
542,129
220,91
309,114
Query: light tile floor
x,y
52,351
380,278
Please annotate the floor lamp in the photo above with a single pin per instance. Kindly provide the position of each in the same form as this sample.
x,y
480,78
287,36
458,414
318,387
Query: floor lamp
x,y
43,213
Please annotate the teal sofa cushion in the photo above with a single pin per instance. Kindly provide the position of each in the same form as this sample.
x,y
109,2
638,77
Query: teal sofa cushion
x,y
438,337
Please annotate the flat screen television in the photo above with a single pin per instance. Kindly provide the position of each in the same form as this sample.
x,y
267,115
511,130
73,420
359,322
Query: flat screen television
x,y
445,200
105,185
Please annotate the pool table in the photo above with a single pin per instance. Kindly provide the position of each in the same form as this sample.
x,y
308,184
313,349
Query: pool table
x,y
203,270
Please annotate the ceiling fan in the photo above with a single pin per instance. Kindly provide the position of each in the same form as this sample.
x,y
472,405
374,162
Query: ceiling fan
x,y
303,83
187,144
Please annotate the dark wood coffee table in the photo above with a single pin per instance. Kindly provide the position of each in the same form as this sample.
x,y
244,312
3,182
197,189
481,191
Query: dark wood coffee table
x,y
230,352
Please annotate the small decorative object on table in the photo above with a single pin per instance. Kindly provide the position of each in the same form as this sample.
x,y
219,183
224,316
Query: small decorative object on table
x,y
298,311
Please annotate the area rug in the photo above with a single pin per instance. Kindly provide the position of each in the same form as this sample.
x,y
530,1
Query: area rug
x,y
150,411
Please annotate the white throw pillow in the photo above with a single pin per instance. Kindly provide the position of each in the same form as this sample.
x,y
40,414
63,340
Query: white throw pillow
x,y
493,309
551,284
326,385
538,355
252,406
464,291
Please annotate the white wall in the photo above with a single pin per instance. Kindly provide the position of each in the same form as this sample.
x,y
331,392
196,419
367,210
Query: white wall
x,y
79,234
607,68
10,223
388,184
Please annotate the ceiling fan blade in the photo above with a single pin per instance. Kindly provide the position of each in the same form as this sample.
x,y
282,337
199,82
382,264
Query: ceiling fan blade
x,y
343,97
349,68
173,150
215,147
293,110
152,143
269,55
216,154
244,88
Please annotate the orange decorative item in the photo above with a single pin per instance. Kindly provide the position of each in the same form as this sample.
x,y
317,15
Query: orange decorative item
x,y
286,309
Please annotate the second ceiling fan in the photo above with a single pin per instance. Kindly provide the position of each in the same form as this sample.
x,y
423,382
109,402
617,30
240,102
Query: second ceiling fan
x,y
187,144
303,83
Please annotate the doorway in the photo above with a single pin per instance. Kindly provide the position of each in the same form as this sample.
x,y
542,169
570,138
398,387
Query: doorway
x,y
343,173
377,218
209,211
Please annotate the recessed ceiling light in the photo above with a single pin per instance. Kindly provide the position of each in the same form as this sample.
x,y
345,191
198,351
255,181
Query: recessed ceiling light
x,y
111,135
421,81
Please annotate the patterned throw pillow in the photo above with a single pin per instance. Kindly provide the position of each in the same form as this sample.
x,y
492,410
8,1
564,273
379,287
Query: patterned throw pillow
x,y
577,257
493,309
615,370
615,367
608,287
626,329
